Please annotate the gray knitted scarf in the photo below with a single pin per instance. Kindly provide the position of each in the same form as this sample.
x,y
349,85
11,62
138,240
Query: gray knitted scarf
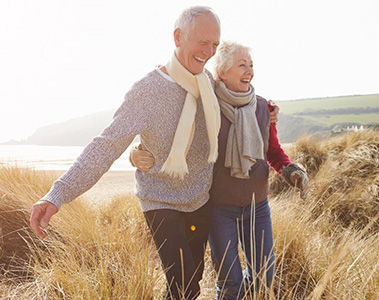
x,y
245,143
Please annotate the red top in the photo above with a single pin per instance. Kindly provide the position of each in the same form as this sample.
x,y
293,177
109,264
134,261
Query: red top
x,y
276,156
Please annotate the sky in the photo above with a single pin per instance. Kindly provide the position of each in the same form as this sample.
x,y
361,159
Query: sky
x,y
65,59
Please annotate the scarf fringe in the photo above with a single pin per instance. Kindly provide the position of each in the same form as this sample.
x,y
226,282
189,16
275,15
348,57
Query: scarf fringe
x,y
175,166
213,154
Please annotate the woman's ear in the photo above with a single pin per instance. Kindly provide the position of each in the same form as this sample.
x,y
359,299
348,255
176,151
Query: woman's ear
x,y
222,75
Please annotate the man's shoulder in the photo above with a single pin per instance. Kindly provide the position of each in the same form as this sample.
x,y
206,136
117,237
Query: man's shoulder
x,y
141,93
148,79
148,85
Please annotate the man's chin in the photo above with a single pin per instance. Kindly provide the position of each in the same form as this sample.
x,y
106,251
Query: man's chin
x,y
197,70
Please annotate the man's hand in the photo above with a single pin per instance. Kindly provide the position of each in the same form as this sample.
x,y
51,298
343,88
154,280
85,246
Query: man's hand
x,y
42,211
142,159
274,111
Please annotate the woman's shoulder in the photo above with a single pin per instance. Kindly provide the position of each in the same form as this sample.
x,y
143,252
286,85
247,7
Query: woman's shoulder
x,y
262,103
260,99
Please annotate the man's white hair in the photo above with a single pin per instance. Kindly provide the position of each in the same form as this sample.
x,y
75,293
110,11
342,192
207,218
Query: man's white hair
x,y
187,18
225,56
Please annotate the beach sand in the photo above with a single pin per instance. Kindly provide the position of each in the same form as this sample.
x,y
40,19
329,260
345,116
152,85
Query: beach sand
x,y
112,183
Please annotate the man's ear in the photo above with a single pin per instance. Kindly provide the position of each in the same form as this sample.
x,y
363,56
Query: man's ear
x,y
177,37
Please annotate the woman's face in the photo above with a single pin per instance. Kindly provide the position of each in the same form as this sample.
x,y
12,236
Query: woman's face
x,y
237,78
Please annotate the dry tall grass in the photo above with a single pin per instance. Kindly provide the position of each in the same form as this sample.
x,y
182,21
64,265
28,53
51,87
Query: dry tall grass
x,y
91,253
326,247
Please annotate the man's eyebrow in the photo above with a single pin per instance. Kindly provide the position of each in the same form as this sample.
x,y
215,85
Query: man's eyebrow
x,y
209,41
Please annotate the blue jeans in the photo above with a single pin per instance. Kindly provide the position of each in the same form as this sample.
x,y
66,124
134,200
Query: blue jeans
x,y
231,225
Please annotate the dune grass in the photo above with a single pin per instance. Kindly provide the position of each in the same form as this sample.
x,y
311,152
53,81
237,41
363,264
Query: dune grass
x,y
326,247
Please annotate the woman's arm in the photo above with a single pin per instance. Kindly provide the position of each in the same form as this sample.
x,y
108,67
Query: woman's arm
x,y
276,156
293,173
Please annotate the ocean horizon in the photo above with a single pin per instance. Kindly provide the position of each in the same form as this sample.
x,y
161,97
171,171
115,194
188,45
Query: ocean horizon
x,y
51,157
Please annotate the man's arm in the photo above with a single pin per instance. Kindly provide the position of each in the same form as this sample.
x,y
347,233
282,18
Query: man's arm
x,y
96,158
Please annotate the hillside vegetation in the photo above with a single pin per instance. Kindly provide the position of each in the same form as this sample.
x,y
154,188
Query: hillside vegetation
x,y
326,247
329,103
325,117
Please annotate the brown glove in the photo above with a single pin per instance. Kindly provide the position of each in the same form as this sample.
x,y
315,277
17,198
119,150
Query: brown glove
x,y
140,158
296,176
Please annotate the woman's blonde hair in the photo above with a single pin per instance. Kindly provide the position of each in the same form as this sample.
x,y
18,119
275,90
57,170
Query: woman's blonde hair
x,y
225,54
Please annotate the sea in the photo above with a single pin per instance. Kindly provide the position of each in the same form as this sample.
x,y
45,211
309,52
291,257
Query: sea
x,y
51,157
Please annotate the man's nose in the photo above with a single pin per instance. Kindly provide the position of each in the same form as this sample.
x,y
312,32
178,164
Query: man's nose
x,y
208,51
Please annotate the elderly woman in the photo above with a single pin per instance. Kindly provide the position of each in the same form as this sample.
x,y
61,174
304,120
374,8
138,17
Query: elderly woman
x,y
240,212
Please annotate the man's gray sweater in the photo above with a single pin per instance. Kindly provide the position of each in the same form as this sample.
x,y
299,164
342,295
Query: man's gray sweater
x,y
151,109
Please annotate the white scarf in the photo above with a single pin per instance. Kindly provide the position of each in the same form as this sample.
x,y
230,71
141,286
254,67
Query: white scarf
x,y
195,85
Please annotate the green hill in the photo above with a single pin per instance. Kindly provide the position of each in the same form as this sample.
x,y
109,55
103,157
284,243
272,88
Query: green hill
x,y
363,109
326,116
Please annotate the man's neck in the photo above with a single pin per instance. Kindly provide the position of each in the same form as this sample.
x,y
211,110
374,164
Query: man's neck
x,y
163,69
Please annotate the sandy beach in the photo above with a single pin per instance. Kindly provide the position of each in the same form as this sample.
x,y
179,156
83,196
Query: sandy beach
x,y
111,184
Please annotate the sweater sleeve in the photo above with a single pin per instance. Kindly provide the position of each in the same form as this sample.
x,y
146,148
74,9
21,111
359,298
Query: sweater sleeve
x,y
276,156
97,157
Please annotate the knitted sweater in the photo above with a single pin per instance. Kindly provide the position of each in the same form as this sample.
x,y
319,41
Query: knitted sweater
x,y
152,109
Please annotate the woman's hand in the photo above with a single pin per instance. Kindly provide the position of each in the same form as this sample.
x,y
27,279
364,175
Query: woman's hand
x,y
274,111
296,175
142,159
299,179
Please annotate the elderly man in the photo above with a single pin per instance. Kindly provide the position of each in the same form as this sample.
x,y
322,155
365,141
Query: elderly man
x,y
175,112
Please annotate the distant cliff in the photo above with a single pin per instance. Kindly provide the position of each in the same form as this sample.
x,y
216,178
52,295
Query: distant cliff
x,y
74,132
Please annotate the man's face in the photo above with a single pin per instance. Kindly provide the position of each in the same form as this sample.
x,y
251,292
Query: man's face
x,y
198,44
